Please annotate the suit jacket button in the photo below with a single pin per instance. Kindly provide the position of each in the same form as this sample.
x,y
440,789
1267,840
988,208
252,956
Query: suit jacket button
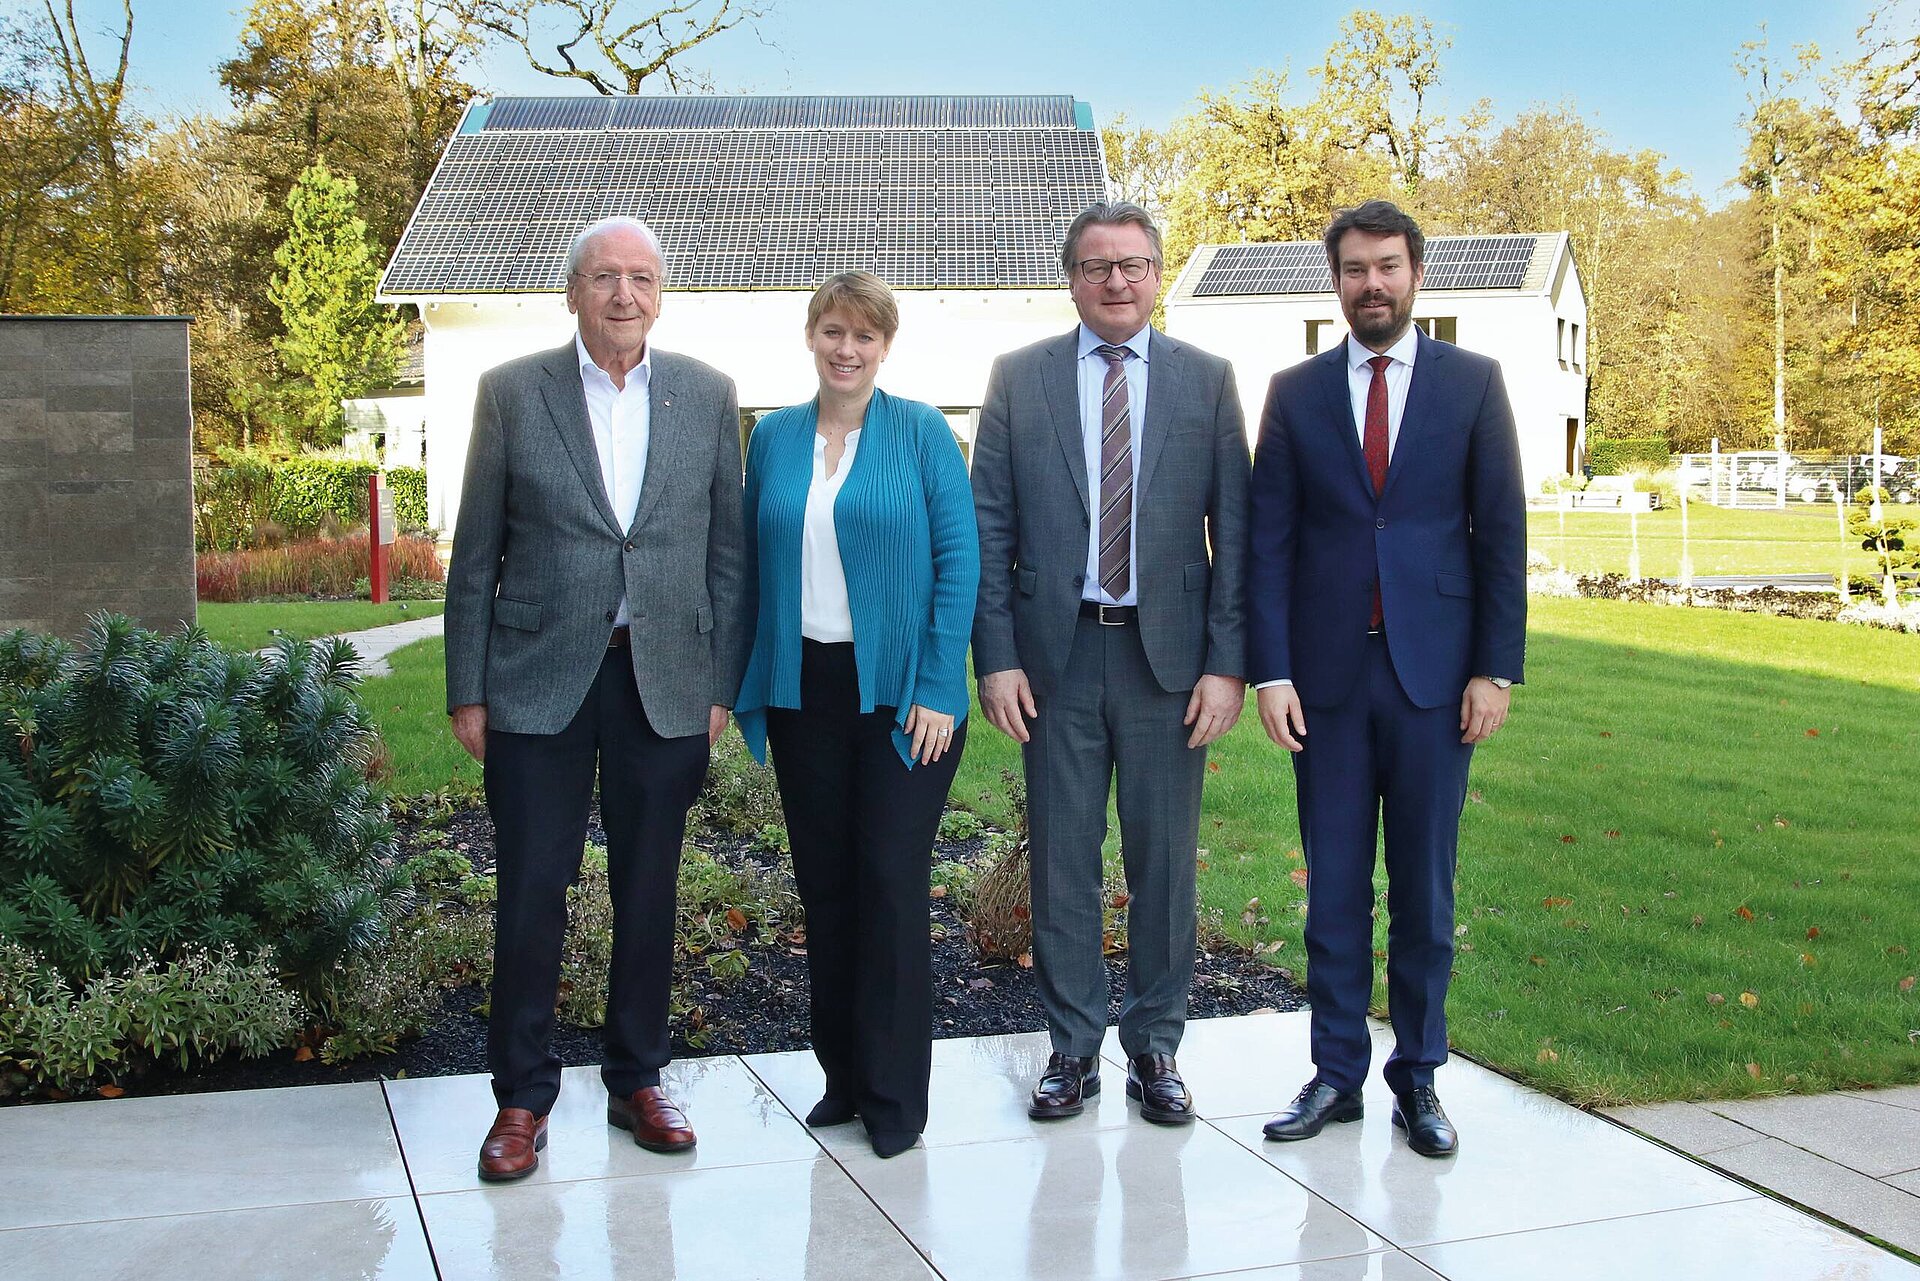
x,y
609,616
629,544
1379,524
1079,580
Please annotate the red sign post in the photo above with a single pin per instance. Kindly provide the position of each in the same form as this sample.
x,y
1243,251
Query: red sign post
x,y
380,533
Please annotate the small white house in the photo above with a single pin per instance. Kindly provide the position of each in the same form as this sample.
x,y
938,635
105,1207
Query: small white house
x,y
388,425
1517,299
960,203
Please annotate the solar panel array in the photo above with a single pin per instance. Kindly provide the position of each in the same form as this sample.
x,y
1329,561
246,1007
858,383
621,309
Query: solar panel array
x,y
1300,267
759,193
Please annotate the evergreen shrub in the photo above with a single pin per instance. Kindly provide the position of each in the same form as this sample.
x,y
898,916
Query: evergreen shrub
x,y
161,798
1628,453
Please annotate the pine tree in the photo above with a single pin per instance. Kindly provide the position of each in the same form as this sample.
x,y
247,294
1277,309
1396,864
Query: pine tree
x,y
338,341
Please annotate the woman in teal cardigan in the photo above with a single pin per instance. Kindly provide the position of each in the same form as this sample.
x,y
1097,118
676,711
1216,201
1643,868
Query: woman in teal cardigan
x,y
860,520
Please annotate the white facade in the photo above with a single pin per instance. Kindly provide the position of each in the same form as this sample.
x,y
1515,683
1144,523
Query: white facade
x,y
1538,333
947,342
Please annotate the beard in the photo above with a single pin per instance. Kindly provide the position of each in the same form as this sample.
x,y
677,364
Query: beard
x,y
1373,330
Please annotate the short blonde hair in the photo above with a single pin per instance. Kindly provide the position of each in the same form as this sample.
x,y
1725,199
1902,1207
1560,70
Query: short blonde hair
x,y
860,292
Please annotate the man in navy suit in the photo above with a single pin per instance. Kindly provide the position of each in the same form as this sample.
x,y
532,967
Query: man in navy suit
x,y
1387,593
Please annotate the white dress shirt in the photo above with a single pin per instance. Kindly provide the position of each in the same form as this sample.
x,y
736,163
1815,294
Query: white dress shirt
x,y
825,614
1092,369
1399,375
622,421
1360,382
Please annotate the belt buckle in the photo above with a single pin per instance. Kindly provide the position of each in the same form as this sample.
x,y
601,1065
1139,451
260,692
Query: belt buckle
x,y
1118,620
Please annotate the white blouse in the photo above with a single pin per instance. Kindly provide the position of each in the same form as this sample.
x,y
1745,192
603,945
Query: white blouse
x,y
824,612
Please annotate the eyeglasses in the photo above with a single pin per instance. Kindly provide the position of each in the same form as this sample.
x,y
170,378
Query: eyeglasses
x,y
1096,270
606,282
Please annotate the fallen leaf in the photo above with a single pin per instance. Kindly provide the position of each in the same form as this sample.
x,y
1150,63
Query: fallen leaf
x,y
1606,733
1809,960
1547,1055
737,919
303,1055
1537,959
1813,931
1753,1070
1813,733
1714,998
1122,899
1568,839
1477,796
1781,822
1744,912
1613,833
1906,984
110,1091
1213,767
1750,1000
1697,921
979,985
938,891
1021,911
1025,960
1555,901
1298,876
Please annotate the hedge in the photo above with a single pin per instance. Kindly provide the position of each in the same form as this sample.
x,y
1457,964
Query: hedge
x,y
240,492
1629,453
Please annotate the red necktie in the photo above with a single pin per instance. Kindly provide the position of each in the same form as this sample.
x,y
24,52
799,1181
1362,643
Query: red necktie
x,y
1375,445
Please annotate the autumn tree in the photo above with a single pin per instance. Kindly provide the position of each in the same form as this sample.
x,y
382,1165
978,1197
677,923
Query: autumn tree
x,y
40,148
613,46
338,342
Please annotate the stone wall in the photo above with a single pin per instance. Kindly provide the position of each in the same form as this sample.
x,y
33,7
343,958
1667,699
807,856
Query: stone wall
x,y
96,471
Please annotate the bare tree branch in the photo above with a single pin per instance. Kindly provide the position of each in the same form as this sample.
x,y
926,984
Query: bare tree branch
x,y
633,49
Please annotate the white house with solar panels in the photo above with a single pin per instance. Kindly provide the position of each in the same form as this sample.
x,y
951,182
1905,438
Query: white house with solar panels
x,y
1515,298
960,203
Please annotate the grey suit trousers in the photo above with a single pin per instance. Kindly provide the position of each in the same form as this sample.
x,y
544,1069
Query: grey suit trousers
x,y
1109,717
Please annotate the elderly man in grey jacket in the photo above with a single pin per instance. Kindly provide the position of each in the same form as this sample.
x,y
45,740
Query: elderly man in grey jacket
x,y
597,622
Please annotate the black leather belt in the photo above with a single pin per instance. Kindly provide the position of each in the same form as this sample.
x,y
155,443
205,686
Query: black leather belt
x,y
1108,615
622,638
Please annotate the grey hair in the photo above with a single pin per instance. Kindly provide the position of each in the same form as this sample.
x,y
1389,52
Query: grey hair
x,y
578,248
1112,213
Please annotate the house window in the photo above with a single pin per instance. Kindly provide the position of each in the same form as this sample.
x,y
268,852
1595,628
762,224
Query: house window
x,y
1577,348
1445,328
1560,341
1316,334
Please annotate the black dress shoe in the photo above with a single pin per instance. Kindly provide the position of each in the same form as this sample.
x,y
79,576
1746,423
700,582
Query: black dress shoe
x,y
1419,1113
1154,1079
1065,1086
831,1111
1308,1114
891,1143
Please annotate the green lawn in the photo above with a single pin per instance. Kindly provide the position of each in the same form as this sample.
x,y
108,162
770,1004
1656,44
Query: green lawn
x,y
1800,539
1687,805
251,625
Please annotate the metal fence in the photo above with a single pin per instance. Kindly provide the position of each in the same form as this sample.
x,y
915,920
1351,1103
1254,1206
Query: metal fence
x,y
1770,479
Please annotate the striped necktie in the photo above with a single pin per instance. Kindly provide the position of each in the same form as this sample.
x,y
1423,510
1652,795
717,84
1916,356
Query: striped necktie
x,y
1116,476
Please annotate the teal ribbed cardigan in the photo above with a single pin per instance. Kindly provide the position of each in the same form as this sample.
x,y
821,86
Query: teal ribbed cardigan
x,y
908,546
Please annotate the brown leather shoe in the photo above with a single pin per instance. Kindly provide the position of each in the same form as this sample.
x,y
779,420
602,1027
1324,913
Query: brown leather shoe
x,y
657,1122
1154,1079
1065,1086
512,1149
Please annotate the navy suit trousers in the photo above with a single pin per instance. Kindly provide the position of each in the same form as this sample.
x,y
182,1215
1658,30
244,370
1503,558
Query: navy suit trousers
x,y
1374,757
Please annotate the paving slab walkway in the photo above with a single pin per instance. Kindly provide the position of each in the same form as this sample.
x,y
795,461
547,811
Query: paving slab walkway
x,y
376,644
376,1180
1853,1156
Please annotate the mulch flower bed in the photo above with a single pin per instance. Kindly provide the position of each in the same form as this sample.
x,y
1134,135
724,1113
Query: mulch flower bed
x,y
764,1011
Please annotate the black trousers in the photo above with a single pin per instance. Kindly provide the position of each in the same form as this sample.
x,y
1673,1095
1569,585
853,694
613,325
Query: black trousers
x,y
862,826
539,790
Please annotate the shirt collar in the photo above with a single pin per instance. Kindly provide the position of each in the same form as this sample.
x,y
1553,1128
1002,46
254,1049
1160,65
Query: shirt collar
x,y
1358,354
644,368
1136,344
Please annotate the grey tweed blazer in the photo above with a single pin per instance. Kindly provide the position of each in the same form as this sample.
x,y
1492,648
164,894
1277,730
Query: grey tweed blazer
x,y
1030,497
539,563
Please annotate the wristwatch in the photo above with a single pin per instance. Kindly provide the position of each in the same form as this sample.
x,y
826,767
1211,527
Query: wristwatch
x,y
1500,682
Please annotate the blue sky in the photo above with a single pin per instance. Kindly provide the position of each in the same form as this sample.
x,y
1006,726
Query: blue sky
x,y
1651,73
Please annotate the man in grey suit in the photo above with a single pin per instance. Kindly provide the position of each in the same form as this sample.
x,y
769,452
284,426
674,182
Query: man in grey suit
x,y
1110,484
597,620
